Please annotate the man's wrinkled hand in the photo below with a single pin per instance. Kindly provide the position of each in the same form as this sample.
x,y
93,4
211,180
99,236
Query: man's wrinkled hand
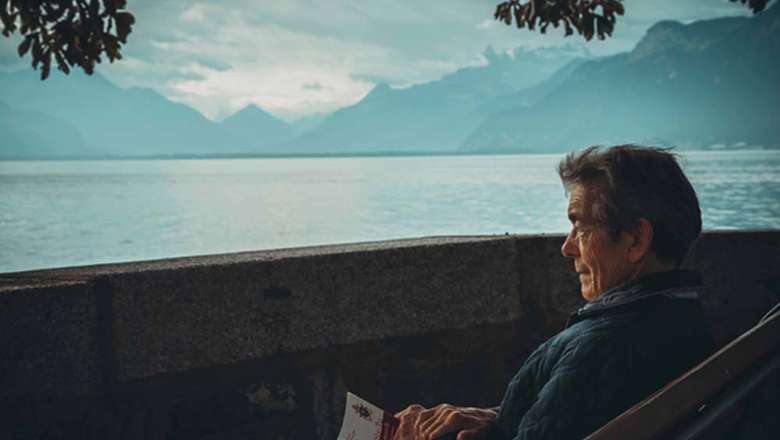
x,y
407,419
418,423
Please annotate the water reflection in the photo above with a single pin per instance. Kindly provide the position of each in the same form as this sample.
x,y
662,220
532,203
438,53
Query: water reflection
x,y
71,213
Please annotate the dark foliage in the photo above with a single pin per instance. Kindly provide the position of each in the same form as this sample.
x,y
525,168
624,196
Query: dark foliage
x,y
586,17
72,32
78,32
755,5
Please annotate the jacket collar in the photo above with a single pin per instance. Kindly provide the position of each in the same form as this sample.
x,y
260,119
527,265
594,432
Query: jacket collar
x,y
681,284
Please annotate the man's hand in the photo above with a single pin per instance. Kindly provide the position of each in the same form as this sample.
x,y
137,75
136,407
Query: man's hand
x,y
418,423
408,418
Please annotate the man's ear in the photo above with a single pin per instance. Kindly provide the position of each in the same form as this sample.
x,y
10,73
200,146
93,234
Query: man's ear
x,y
642,240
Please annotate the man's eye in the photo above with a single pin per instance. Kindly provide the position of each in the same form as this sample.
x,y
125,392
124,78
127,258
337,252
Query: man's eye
x,y
581,232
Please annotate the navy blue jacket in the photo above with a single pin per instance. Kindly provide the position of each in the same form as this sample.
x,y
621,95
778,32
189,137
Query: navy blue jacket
x,y
615,351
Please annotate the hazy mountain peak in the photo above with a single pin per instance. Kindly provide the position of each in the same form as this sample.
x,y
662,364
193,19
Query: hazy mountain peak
x,y
662,36
664,27
254,126
567,51
252,108
699,84
381,89
672,36
491,55
145,91
669,35
250,112
27,77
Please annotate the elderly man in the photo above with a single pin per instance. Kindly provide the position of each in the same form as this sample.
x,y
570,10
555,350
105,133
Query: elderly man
x,y
634,216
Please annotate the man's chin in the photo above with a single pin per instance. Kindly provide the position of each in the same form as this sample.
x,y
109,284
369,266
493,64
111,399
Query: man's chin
x,y
587,293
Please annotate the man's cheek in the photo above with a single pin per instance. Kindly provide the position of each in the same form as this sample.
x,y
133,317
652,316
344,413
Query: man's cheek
x,y
591,284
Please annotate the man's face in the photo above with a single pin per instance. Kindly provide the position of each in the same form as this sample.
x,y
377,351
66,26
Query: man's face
x,y
600,261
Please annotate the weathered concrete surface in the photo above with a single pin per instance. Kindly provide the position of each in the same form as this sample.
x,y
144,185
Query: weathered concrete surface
x,y
265,344
48,337
548,284
741,270
290,396
174,319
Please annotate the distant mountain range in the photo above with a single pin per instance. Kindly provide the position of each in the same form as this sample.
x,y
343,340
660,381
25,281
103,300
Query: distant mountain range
x,y
89,116
704,84
435,116
105,120
254,128
35,134
109,120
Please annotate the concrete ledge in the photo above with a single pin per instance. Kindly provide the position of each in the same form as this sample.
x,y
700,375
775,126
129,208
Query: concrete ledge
x,y
173,315
185,317
741,270
166,346
48,337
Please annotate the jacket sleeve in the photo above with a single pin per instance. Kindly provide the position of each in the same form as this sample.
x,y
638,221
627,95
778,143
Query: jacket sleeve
x,y
585,389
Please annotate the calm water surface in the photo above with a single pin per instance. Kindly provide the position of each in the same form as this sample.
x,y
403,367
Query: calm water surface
x,y
62,213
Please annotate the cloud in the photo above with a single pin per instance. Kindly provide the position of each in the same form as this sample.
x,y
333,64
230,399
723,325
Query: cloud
x,y
278,90
280,54
487,24
234,59
195,13
271,74
313,86
9,57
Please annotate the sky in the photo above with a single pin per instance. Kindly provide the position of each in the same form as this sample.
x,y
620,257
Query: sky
x,y
295,58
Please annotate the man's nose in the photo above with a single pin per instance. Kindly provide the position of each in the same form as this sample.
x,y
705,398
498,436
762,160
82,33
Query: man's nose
x,y
569,249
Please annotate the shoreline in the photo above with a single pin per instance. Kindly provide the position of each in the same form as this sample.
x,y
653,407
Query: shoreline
x,y
378,154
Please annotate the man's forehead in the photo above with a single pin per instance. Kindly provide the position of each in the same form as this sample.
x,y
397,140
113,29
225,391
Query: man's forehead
x,y
578,197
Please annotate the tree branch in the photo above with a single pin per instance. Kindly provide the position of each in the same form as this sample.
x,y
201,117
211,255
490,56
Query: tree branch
x,y
73,32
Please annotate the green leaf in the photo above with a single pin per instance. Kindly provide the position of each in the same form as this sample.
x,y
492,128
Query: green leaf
x,y
25,45
37,51
618,7
9,23
94,8
111,46
56,14
3,6
61,63
124,23
45,69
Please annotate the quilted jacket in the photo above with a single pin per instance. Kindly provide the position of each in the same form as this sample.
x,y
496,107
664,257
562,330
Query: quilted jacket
x,y
614,352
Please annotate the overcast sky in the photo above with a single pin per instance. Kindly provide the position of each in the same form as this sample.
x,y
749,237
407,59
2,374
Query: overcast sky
x,y
297,57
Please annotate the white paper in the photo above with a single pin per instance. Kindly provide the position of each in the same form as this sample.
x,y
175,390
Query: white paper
x,y
364,421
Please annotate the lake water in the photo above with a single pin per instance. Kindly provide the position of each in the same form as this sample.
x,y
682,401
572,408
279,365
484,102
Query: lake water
x,y
63,213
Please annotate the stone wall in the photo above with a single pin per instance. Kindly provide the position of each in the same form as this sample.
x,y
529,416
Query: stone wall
x,y
265,344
